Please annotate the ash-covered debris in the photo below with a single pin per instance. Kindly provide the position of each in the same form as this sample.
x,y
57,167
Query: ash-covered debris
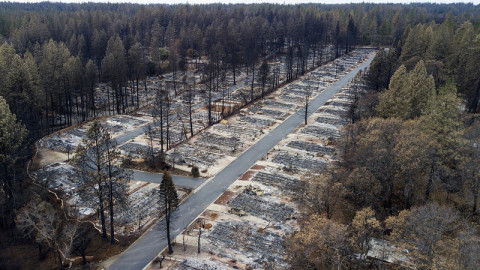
x,y
290,160
259,246
195,264
190,155
321,132
278,105
58,176
267,112
285,184
258,206
63,142
343,105
311,147
136,150
143,203
235,130
334,111
331,121
293,99
256,121
214,140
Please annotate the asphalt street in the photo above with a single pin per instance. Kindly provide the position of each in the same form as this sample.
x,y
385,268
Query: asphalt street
x,y
151,243
121,139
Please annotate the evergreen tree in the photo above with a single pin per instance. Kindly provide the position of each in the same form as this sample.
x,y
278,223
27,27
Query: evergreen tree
x,y
169,196
12,148
408,93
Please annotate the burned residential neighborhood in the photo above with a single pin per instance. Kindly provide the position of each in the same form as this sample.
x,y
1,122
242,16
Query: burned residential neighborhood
x,y
239,136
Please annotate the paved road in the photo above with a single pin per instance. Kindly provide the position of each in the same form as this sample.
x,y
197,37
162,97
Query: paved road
x,y
178,180
150,244
130,135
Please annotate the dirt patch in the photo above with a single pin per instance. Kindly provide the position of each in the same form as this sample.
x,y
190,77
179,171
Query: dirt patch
x,y
257,167
224,198
247,175
46,156
213,215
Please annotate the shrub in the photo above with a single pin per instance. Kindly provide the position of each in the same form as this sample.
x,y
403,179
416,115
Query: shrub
x,y
195,171
127,162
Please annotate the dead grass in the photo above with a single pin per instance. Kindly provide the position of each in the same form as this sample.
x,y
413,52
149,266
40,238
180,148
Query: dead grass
x,y
257,167
224,198
213,216
46,156
247,175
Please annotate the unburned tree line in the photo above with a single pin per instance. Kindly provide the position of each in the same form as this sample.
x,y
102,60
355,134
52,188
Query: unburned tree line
x,y
405,180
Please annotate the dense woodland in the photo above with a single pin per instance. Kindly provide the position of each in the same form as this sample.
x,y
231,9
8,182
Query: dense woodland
x,y
56,53
411,148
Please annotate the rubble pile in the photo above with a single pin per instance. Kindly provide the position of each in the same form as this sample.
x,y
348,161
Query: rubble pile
x,y
334,111
320,132
260,207
136,150
62,177
259,122
260,247
331,121
214,140
297,161
193,156
250,133
311,147
64,141
278,105
286,184
277,115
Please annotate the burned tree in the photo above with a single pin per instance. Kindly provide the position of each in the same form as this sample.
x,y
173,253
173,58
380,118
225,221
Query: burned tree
x,y
84,235
117,178
150,134
101,180
158,113
46,225
190,97
263,74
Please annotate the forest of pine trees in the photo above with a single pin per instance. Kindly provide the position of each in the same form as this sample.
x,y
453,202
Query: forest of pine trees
x,y
56,53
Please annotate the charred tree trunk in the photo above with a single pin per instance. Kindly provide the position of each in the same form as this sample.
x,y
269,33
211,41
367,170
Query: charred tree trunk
x,y
167,219
190,101
210,102
234,72
102,214
110,203
199,237
253,80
